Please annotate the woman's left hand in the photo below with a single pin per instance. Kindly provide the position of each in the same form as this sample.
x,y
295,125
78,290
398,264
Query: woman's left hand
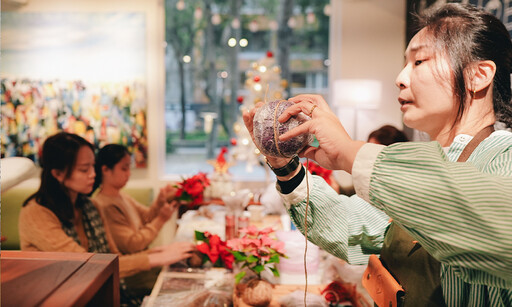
x,y
166,195
336,149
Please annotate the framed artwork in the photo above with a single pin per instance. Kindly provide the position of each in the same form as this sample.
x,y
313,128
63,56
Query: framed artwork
x,y
82,73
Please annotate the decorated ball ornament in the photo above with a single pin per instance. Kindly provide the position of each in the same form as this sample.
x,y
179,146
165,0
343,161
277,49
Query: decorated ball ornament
x,y
267,129
240,99
269,54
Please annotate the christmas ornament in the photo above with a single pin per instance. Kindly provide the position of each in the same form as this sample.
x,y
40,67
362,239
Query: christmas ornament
x,y
267,129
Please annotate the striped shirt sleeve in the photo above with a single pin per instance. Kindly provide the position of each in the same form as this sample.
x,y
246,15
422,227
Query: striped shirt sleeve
x,y
460,212
347,227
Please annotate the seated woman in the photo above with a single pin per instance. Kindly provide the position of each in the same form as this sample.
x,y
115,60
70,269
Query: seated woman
x,y
60,217
133,225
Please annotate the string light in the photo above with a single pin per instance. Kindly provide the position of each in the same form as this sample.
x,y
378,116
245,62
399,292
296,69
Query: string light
x,y
243,42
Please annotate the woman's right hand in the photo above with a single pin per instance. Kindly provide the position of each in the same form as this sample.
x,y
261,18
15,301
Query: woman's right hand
x,y
165,212
169,254
336,149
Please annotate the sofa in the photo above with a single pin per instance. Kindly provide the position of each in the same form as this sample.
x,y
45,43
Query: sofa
x,y
12,200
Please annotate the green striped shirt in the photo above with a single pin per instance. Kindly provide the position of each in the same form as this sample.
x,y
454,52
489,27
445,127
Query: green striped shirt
x,y
461,213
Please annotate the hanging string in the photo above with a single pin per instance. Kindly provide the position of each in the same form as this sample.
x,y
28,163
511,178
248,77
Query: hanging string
x,y
307,200
306,234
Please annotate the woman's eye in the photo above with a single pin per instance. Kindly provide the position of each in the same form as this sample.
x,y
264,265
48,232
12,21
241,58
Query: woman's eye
x,y
418,62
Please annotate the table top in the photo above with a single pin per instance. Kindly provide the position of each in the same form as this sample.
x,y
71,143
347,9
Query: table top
x,y
57,279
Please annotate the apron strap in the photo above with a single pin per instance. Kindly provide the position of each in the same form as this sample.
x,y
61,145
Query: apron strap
x,y
479,137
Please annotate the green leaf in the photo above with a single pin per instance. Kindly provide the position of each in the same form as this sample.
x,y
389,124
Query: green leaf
x,y
199,236
274,271
258,269
239,256
239,276
252,259
273,259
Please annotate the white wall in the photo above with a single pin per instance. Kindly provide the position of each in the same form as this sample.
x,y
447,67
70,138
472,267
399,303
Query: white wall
x,y
367,41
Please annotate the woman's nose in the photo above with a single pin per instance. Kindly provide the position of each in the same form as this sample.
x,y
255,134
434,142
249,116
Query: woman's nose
x,y
402,80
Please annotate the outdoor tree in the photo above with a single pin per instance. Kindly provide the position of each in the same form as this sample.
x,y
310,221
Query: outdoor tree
x,y
181,27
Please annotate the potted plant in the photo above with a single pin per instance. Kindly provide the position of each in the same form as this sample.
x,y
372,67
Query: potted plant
x,y
256,251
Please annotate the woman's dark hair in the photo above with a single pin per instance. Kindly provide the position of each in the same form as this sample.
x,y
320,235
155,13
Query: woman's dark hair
x,y
468,34
108,156
59,152
387,135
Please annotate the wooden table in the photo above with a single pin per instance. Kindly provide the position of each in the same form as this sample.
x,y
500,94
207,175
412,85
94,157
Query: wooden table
x,y
59,279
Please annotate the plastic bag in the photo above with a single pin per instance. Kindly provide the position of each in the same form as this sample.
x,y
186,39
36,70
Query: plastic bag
x,y
267,129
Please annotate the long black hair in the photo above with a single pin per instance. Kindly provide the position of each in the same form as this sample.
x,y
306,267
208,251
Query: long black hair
x,y
59,152
109,155
468,34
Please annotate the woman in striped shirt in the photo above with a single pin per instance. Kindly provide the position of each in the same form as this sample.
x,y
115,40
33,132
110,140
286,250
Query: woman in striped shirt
x,y
455,83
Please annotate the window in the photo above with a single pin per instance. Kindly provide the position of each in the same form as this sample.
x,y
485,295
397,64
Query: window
x,y
214,54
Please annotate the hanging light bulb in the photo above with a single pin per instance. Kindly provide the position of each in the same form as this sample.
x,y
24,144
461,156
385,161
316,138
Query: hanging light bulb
x,y
180,5
273,25
310,17
216,20
327,10
235,23
232,42
253,26
198,13
243,42
292,23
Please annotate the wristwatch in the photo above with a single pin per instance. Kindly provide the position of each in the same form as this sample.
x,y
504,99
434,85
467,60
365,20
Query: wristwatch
x,y
287,169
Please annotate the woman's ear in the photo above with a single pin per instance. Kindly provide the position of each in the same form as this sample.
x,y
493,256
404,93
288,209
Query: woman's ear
x,y
58,174
483,75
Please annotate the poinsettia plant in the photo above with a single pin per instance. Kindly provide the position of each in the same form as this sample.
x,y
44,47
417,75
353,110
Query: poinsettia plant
x,y
214,250
316,169
192,189
256,250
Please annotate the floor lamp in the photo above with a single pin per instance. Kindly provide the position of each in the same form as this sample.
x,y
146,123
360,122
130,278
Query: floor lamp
x,y
357,94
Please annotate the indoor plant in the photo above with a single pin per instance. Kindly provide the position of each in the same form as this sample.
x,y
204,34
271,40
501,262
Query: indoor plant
x,y
255,250
213,249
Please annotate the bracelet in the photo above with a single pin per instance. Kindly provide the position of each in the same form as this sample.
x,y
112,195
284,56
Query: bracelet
x,y
287,169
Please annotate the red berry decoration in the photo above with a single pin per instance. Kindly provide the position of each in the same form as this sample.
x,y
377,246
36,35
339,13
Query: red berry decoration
x,y
257,79
233,141
269,54
240,99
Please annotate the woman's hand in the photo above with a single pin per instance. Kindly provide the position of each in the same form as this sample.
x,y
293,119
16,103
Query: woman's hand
x,y
166,195
169,254
336,149
167,210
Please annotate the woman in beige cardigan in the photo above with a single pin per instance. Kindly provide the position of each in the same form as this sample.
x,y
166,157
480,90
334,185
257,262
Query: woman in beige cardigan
x,y
60,217
133,225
